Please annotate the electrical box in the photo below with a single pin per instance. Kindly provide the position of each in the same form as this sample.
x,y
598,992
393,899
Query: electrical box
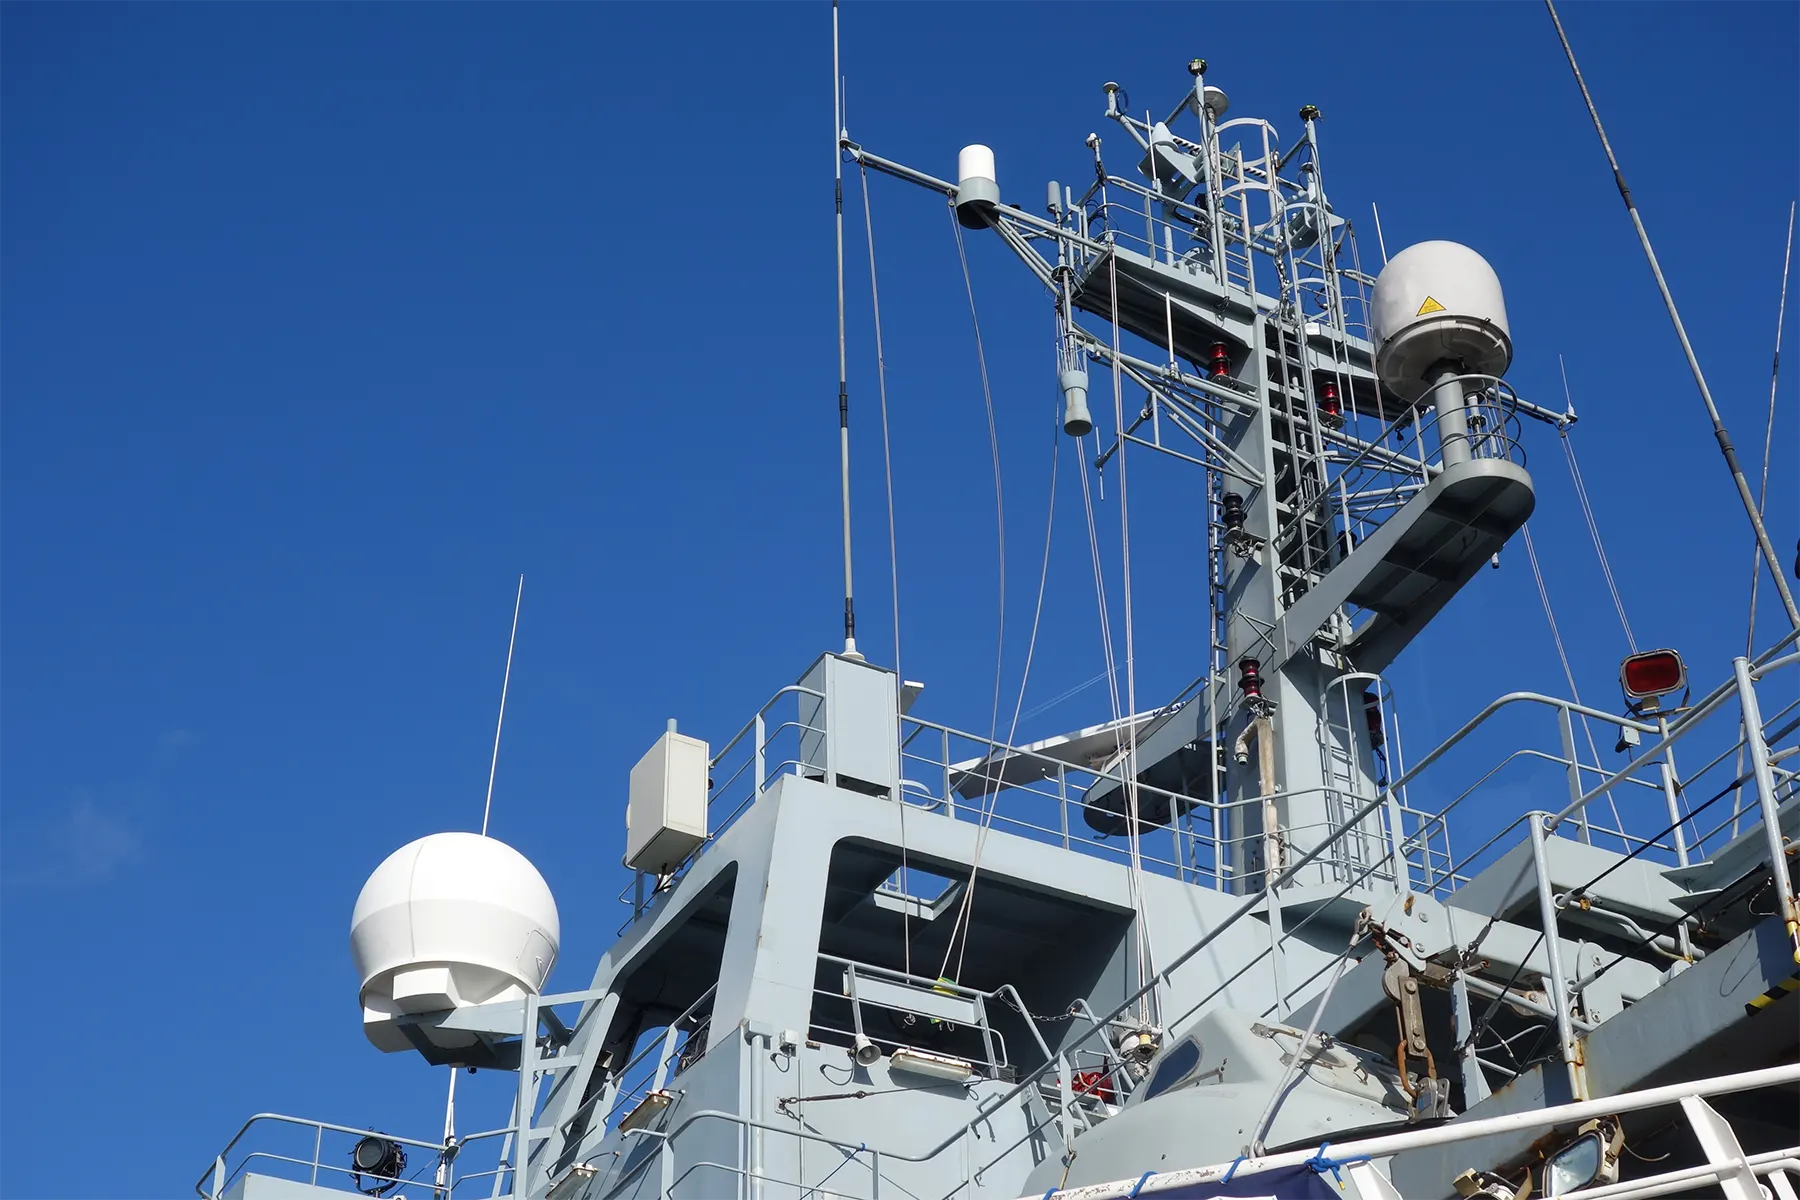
x,y
665,817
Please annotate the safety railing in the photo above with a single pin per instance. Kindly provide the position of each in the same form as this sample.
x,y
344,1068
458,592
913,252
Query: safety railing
x,y
1368,487
786,736
313,1152
969,777
1725,1158
857,1004
1180,244
1084,1067
661,1056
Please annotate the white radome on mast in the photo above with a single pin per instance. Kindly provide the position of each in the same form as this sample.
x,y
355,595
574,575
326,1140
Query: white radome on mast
x,y
445,922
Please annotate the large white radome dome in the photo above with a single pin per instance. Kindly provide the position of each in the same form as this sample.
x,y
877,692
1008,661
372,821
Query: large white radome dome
x,y
448,921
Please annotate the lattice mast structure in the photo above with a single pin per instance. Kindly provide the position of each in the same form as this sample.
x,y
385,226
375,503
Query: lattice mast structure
x,y
1357,476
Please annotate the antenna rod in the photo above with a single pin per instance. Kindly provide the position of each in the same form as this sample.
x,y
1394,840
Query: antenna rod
x,y
1762,495
441,1183
837,160
1763,544
505,681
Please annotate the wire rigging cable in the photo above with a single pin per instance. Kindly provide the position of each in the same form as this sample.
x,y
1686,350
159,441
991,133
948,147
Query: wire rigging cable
x,y
990,782
1133,833
1762,495
1562,653
1662,286
1587,515
887,466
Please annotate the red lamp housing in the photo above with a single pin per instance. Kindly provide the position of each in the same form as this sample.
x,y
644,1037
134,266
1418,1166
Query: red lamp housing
x,y
1653,673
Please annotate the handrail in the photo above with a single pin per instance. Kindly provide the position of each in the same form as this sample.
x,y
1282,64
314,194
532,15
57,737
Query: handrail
x,y
1455,1131
282,1118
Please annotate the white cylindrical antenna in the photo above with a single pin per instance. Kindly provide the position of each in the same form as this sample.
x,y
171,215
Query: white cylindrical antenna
x,y
505,681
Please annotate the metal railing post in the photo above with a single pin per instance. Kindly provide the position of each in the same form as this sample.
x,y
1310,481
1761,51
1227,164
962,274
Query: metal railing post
x,y
1065,1090
1062,801
1765,796
761,764
318,1148
1559,988
1565,725
856,1024
949,796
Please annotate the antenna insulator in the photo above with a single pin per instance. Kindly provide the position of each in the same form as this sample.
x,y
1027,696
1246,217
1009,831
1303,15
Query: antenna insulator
x,y
1250,679
1231,511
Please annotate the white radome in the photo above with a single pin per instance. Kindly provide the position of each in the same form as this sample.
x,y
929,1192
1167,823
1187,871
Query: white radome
x,y
448,921
1438,302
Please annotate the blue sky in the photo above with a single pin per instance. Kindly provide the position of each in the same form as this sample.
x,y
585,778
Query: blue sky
x,y
321,323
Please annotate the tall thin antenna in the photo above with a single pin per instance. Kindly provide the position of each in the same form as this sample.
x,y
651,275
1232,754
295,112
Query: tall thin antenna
x,y
441,1181
505,682
1712,410
1762,495
837,162
1380,242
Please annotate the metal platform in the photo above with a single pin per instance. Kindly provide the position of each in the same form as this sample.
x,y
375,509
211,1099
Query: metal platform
x,y
1410,567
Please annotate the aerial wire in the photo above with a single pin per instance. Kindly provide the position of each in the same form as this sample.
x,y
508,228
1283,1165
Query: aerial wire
x,y
1762,497
1587,513
887,464
505,682
1712,410
1543,590
837,161
991,783
961,924
1146,960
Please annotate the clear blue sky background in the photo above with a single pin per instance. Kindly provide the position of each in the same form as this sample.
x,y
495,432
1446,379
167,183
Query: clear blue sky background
x,y
322,323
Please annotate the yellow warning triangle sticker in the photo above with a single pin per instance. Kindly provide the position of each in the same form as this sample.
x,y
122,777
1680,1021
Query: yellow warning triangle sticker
x,y
1430,306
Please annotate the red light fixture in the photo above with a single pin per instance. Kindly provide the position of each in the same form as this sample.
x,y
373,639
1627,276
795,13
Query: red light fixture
x,y
1653,673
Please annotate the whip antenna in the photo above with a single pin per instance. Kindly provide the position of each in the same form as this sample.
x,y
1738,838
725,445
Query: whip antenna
x,y
505,681
1687,348
837,161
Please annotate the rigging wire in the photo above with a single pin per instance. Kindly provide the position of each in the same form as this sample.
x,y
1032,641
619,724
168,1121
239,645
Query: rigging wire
x,y
1762,496
1712,410
1133,834
987,396
991,803
1562,653
990,782
887,466
1052,702
1587,514
1267,1120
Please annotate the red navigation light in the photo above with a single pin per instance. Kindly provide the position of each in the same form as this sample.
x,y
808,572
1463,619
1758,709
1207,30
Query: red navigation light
x,y
1653,673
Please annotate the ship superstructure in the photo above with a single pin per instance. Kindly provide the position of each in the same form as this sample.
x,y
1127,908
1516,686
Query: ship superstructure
x,y
1188,949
